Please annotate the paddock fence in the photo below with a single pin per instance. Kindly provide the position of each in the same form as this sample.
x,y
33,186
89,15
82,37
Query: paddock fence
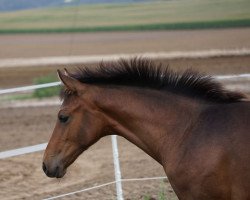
x,y
66,60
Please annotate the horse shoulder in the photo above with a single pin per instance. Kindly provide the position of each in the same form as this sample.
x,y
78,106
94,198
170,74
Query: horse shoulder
x,y
213,162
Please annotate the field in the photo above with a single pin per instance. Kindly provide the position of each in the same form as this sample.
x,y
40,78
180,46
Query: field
x,y
152,15
45,45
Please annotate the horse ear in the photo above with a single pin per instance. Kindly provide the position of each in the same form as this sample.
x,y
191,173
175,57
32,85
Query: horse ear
x,y
66,72
70,83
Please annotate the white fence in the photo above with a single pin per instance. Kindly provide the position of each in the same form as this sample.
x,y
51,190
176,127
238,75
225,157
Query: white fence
x,y
106,184
118,180
66,60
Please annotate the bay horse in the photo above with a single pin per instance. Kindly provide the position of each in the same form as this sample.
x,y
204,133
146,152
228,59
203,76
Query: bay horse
x,y
197,130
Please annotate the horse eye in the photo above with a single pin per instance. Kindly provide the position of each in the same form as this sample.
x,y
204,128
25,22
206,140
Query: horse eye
x,y
63,118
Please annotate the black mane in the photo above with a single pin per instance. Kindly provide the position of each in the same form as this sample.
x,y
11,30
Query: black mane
x,y
140,72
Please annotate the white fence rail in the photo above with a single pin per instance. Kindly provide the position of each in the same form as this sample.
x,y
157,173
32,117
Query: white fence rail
x,y
31,87
66,60
23,150
234,77
106,184
40,147
118,182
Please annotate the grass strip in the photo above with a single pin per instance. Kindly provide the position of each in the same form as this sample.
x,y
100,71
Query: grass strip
x,y
142,27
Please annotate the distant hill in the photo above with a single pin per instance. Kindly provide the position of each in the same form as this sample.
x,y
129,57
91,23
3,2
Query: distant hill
x,y
13,5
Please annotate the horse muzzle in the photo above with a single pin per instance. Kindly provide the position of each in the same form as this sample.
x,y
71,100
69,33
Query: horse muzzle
x,y
53,170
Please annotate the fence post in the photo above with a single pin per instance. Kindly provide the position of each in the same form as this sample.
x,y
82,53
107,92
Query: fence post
x,y
117,168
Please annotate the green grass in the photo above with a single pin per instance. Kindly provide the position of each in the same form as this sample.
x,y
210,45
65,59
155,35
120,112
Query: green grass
x,y
46,92
146,197
154,15
38,93
176,26
162,195
16,97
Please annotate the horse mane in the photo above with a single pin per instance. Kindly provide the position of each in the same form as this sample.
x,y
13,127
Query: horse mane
x,y
140,72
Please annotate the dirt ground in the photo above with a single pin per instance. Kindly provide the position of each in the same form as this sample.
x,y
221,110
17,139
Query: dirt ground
x,y
16,77
42,45
21,177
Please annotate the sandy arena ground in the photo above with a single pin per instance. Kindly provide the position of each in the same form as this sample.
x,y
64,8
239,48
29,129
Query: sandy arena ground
x,y
22,177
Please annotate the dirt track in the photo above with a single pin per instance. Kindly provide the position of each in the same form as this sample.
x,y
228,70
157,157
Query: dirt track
x,y
43,45
28,46
22,178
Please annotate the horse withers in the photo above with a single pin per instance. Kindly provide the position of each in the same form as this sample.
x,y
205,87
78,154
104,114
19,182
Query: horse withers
x,y
197,130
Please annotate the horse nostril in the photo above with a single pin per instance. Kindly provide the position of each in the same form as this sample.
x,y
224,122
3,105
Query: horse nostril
x,y
44,167
57,171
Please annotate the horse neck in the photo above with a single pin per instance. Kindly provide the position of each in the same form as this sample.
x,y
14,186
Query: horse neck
x,y
153,120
